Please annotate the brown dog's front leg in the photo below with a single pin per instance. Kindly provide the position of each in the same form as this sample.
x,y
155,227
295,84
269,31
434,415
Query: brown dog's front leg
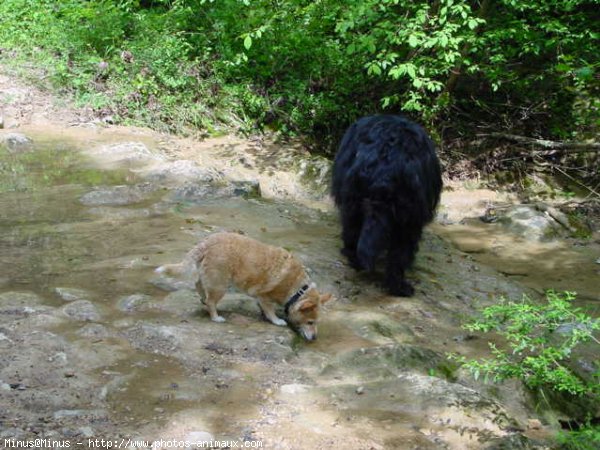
x,y
268,310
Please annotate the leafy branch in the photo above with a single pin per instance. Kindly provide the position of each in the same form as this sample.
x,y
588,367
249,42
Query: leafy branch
x,y
541,339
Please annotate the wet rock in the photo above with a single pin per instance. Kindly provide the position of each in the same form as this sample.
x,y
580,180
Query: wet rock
x,y
21,304
15,141
181,171
46,318
198,437
450,409
470,245
12,433
94,331
511,442
183,302
531,223
377,327
198,192
82,310
239,304
382,362
157,338
171,284
71,294
194,192
316,174
116,195
246,189
135,302
86,432
126,154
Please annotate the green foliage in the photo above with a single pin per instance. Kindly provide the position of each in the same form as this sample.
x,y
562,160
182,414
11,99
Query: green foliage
x,y
586,438
541,342
311,67
541,339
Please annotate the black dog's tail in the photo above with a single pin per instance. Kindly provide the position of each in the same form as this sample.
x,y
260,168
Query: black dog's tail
x,y
371,243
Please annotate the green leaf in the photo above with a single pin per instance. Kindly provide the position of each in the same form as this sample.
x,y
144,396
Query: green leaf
x,y
248,42
413,41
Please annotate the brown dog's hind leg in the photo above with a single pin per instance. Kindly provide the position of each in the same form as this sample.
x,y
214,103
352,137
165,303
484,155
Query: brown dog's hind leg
x,y
211,283
200,290
212,298
268,310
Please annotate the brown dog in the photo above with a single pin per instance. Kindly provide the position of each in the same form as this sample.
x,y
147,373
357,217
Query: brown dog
x,y
269,273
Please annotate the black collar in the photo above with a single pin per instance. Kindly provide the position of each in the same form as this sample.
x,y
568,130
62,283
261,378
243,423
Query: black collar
x,y
294,298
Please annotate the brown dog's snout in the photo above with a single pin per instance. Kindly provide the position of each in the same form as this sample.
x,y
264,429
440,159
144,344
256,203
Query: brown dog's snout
x,y
310,334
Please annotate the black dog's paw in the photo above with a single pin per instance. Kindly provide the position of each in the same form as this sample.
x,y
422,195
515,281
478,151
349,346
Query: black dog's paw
x,y
401,289
352,259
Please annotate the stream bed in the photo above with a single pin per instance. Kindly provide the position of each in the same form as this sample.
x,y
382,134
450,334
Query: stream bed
x,y
95,345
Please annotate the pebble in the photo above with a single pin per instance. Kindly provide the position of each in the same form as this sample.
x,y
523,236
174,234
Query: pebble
x,y
360,390
71,294
86,432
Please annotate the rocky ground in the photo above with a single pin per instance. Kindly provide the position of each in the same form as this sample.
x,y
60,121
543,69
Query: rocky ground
x,y
94,345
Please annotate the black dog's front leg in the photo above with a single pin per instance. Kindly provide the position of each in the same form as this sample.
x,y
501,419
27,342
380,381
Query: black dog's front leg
x,y
352,222
400,256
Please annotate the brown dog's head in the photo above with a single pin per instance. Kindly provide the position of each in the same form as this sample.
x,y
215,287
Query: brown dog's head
x,y
304,314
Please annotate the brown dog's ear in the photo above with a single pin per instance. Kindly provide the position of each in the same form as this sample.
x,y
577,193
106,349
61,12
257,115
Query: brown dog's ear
x,y
326,298
307,306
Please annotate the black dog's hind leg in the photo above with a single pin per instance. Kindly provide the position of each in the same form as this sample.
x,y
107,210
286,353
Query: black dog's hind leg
x,y
352,222
400,257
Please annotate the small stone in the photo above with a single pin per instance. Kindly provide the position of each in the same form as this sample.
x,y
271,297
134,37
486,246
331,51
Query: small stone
x,y
82,310
71,294
13,433
86,432
360,390
135,302
15,141
293,389
534,424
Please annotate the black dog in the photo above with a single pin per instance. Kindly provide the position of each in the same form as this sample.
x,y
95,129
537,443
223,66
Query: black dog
x,y
386,182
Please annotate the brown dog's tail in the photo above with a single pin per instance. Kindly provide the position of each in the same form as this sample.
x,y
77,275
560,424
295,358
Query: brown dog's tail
x,y
172,269
189,264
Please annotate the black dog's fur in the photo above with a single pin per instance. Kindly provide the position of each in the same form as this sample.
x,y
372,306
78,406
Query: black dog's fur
x,y
386,183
